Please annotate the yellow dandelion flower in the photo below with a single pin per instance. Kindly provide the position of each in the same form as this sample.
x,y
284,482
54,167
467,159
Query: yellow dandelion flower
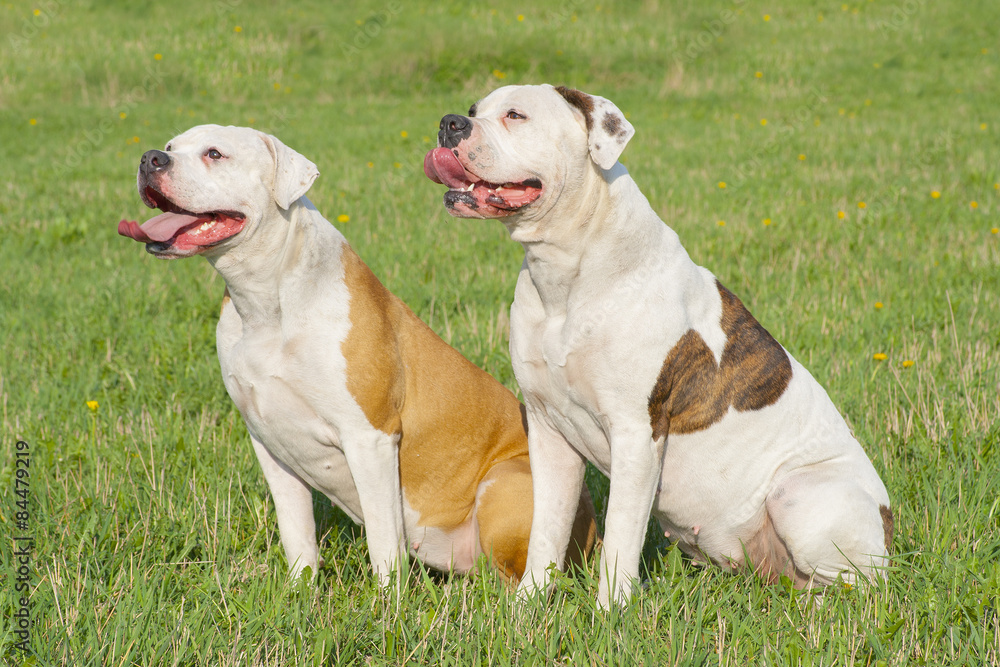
x,y
397,165
767,222
868,103
841,215
343,217
722,185
879,305
880,356
996,186
123,115
862,205
135,140
758,74
498,74
876,65
985,51
37,12
935,194
907,363
157,56
802,156
982,126
767,17
973,204
842,111
520,17
238,29
404,134
371,164
32,121
721,223
277,86
93,405
995,230
763,121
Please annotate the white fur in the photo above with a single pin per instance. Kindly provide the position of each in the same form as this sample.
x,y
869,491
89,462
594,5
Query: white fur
x,y
605,292
279,341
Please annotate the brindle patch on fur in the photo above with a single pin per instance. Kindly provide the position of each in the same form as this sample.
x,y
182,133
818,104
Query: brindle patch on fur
x,y
612,124
581,101
693,392
888,525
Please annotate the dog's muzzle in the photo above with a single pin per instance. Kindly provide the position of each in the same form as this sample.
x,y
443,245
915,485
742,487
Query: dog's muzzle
x,y
153,162
453,130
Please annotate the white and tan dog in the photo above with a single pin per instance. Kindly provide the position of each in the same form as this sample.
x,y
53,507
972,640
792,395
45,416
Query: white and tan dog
x,y
342,387
633,357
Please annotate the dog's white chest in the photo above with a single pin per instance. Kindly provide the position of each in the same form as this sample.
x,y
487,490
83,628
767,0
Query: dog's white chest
x,y
289,394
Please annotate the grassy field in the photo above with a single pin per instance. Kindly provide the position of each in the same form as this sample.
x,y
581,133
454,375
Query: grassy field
x,y
836,165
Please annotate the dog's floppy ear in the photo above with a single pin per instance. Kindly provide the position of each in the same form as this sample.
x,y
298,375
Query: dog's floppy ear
x,y
607,127
293,173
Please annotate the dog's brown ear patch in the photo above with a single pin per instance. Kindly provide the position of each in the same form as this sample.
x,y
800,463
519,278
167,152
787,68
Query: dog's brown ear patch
x,y
581,101
693,392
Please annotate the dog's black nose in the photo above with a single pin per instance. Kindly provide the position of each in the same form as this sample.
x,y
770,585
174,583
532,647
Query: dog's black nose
x,y
454,129
153,161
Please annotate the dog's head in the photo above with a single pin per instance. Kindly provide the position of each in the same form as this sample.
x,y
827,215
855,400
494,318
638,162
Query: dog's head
x,y
522,148
215,185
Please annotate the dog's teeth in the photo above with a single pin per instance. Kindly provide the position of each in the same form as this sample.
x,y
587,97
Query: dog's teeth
x,y
471,186
205,226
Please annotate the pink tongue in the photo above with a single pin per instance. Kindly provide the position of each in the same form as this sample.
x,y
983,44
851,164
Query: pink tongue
x,y
161,228
441,166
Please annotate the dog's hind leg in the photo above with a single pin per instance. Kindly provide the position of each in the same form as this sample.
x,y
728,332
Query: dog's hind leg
x,y
504,510
831,526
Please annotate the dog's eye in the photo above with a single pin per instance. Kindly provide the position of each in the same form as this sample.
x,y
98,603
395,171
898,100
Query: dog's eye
x,y
213,154
513,115
167,148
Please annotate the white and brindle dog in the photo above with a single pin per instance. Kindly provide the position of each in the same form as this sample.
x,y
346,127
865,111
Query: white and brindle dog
x,y
635,358
342,387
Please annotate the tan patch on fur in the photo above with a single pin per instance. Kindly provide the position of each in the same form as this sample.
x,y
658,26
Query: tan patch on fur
x,y
888,525
225,300
693,392
457,425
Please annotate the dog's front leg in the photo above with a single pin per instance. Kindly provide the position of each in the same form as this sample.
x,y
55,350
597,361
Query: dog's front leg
x,y
374,464
293,504
556,479
636,463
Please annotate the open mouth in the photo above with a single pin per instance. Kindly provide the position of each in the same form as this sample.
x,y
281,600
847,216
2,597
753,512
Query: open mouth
x,y
177,231
471,196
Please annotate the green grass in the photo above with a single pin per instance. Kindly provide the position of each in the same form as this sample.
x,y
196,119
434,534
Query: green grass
x,y
156,541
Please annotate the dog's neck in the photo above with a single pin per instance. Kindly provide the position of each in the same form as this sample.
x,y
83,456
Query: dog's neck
x,y
594,233
266,269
